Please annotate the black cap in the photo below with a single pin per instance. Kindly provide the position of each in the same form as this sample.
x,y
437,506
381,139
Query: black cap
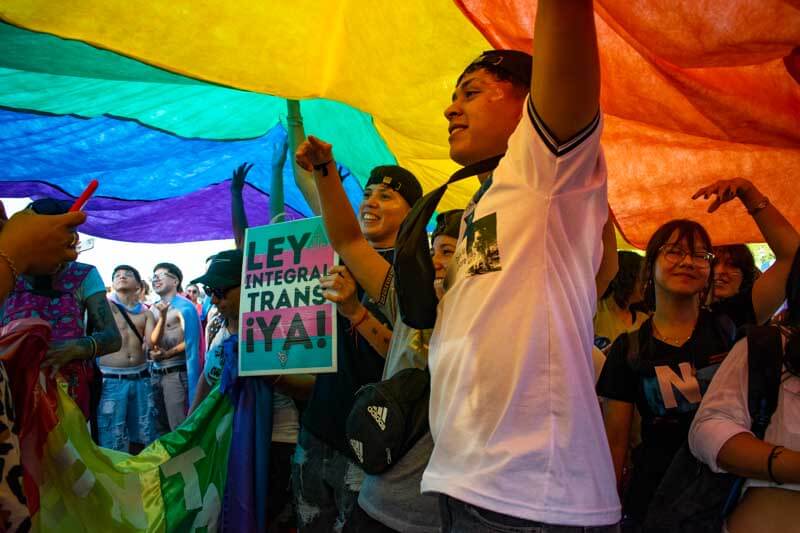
x,y
224,271
399,179
50,206
448,223
516,64
128,267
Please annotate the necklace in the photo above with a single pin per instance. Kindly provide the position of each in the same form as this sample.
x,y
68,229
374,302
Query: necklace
x,y
675,341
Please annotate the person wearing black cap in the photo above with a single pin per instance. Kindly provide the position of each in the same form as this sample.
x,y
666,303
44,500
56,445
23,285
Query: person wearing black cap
x,y
365,243
222,283
519,440
123,419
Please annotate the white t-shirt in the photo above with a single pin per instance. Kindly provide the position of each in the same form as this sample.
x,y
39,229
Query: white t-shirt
x,y
725,413
513,409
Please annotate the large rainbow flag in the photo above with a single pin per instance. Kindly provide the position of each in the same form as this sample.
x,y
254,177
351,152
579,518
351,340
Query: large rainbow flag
x,y
176,484
164,99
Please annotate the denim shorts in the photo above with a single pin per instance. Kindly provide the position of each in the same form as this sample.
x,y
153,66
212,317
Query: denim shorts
x,y
125,409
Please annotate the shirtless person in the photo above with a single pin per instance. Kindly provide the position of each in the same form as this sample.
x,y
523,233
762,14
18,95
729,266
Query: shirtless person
x,y
168,370
124,416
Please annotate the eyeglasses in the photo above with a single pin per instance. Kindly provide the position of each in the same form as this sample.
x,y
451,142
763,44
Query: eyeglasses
x,y
126,273
675,254
157,277
212,292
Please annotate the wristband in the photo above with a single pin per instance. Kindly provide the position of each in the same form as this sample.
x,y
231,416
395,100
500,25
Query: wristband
x,y
360,321
93,342
759,206
776,451
323,167
11,265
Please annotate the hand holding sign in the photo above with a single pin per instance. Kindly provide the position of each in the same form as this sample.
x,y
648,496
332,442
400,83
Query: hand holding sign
x,y
340,287
313,153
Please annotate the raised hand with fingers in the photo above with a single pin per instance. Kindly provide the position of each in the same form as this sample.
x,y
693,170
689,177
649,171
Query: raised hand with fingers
x,y
727,190
340,287
240,175
38,244
314,154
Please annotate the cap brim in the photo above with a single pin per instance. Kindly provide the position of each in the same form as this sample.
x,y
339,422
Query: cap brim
x,y
210,280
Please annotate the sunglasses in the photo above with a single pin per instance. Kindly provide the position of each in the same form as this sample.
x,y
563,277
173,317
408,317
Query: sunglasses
x,y
216,291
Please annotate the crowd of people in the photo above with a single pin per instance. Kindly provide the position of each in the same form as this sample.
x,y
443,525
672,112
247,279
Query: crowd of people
x,y
565,379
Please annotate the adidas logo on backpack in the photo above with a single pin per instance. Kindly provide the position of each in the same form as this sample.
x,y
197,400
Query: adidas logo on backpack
x,y
379,414
358,448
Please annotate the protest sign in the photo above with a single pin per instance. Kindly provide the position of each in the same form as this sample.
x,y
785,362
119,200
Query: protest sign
x,y
286,326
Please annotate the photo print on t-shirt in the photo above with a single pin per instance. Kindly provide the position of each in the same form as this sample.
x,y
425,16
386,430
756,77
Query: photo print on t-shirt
x,y
481,254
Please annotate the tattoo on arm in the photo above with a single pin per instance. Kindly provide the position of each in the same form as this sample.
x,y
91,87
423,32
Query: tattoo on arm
x,y
103,327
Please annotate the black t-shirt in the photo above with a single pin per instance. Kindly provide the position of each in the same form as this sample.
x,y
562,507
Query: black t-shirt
x,y
666,383
358,364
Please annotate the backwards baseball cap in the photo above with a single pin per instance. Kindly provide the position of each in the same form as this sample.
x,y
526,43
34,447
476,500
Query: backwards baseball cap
x,y
448,223
224,270
131,269
399,179
518,65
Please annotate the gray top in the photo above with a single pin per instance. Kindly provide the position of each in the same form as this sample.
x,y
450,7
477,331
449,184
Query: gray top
x,y
393,498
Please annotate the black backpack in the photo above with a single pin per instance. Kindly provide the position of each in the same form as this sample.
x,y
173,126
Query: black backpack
x,y
693,499
388,418
413,268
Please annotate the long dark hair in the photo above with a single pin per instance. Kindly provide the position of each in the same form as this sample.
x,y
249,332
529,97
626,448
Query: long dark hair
x,y
624,283
739,256
687,229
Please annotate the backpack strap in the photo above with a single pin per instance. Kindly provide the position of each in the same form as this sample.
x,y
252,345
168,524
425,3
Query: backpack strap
x,y
764,367
726,329
128,320
413,268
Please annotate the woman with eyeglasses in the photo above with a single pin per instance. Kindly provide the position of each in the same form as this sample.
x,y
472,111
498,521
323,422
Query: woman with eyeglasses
x,y
664,368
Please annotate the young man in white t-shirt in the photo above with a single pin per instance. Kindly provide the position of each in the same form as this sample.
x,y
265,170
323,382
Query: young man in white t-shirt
x,y
519,440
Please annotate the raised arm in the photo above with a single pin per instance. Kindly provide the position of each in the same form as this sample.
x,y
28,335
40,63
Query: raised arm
x,y
238,215
609,265
769,291
566,69
367,266
297,135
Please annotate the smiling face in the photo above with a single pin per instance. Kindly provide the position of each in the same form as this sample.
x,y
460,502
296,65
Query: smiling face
x,y
164,282
727,279
380,214
482,116
444,247
682,269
